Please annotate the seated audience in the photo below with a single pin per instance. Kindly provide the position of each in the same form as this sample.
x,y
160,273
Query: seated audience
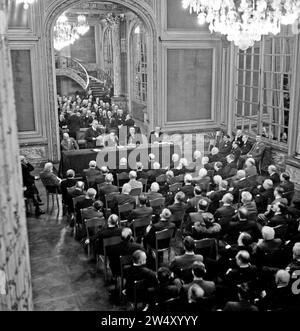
x,y
273,175
48,177
133,182
186,260
87,202
141,212
250,168
206,228
225,213
122,199
153,193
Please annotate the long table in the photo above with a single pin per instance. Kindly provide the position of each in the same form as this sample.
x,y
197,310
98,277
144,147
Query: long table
x,y
111,156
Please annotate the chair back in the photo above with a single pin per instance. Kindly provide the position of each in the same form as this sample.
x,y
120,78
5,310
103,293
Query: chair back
x,y
179,178
125,209
158,203
144,181
110,242
109,198
136,192
140,225
122,177
163,239
207,247
175,188
93,224
161,180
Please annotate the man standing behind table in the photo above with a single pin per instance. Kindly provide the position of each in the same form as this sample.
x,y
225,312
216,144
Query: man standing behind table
x,y
68,143
92,135
258,150
156,136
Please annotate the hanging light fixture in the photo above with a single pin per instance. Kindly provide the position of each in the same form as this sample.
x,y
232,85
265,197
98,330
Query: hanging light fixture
x,y
66,34
82,26
244,21
26,3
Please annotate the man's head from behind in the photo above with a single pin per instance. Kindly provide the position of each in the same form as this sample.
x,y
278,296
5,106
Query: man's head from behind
x,y
80,186
126,234
189,244
126,189
165,215
70,174
109,178
91,194
113,220
154,187
243,259
203,205
143,200
198,269
98,205
282,278
139,258
93,165
296,252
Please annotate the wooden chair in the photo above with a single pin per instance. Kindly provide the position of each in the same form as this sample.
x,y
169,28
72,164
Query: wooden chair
x,y
207,247
162,244
125,261
122,178
122,209
93,224
144,181
157,205
139,227
136,192
75,201
107,243
52,191
161,180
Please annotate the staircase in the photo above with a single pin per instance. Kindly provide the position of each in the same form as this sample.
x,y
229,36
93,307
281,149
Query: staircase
x,y
75,70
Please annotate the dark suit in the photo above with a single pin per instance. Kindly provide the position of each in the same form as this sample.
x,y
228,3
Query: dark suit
x,y
184,262
90,174
237,153
160,226
74,123
225,148
125,248
90,135
107,189
142,212
246,148
105,233
188,190
82,205
223,216
237,186
203,183
235,228
65,184
91,212
153,196
230,170
208,287
263,199
215,198
49,179
137,273
120,200
275,178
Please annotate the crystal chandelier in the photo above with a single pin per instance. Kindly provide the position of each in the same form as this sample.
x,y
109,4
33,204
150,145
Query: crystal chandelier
x,y
244,21
26,3
66,34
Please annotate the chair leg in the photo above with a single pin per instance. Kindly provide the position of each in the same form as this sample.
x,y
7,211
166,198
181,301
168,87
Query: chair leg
x,y
48,203
58,205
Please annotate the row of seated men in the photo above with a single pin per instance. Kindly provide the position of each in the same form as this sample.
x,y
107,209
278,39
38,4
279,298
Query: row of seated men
x,y
202,221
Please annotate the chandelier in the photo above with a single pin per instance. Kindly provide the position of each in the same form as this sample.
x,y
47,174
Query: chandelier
x,y
66,34
244,21
26,3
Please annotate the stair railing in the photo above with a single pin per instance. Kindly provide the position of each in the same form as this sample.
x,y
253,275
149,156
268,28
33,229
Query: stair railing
x,y
66,62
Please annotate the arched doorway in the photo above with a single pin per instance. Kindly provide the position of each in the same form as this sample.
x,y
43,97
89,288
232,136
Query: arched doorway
x,y
145,14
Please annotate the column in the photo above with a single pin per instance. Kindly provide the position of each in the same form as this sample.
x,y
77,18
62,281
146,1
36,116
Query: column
x,y
15,279
116,43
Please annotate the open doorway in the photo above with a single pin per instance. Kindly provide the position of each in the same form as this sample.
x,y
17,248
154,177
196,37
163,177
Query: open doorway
x,y
112,62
